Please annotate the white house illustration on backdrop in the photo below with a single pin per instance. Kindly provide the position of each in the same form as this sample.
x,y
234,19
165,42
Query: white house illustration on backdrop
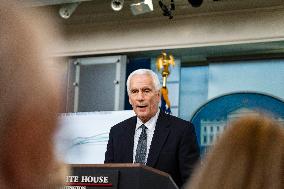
x,y
211,129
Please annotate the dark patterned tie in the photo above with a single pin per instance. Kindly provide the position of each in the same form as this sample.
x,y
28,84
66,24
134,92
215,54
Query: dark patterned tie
x,y
141,146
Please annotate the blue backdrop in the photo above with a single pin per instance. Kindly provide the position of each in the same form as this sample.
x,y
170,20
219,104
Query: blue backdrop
x,y
218,111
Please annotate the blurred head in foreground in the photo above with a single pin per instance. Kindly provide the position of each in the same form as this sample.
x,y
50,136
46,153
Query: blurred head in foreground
x,y
248,155
29,98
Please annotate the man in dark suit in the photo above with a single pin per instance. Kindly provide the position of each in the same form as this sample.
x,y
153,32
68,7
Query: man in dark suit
x,y
152,137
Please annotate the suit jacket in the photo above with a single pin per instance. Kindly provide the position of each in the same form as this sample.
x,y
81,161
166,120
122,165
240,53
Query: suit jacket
x,y
174,147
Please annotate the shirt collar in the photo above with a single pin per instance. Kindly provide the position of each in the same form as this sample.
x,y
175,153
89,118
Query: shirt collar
x,y
149,124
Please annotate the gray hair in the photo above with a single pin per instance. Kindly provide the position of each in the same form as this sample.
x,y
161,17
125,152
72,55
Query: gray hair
x,y
156,81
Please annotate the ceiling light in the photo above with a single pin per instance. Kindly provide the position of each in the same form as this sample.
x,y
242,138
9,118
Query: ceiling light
x,y
141,7
195,3
67,10
116,5
167,10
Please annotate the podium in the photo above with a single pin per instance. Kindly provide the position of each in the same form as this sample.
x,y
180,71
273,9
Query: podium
x,y
117,176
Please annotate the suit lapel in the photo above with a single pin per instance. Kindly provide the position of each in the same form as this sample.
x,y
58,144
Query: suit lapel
x,y
159,138
127,148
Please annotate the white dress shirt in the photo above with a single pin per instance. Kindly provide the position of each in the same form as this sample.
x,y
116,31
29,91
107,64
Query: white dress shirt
x,y
151,124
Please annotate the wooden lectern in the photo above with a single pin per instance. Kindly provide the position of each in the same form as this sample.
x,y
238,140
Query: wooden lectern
x,y
117,176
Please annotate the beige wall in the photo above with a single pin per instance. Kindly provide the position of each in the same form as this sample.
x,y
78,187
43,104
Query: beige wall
x,y
233,27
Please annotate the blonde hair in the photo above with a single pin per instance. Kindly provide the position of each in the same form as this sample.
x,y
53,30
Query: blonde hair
x,y
249,155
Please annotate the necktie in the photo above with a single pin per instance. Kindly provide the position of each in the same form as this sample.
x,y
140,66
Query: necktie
x,y
141,146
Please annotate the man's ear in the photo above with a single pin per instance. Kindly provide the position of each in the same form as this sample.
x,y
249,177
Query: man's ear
x,y
159,94
130,102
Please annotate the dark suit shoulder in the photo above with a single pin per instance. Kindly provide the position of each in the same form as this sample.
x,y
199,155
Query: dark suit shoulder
x,y
124,124
176,122
177,119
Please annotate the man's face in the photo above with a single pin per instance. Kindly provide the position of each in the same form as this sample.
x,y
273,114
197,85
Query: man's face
x,y
143,97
